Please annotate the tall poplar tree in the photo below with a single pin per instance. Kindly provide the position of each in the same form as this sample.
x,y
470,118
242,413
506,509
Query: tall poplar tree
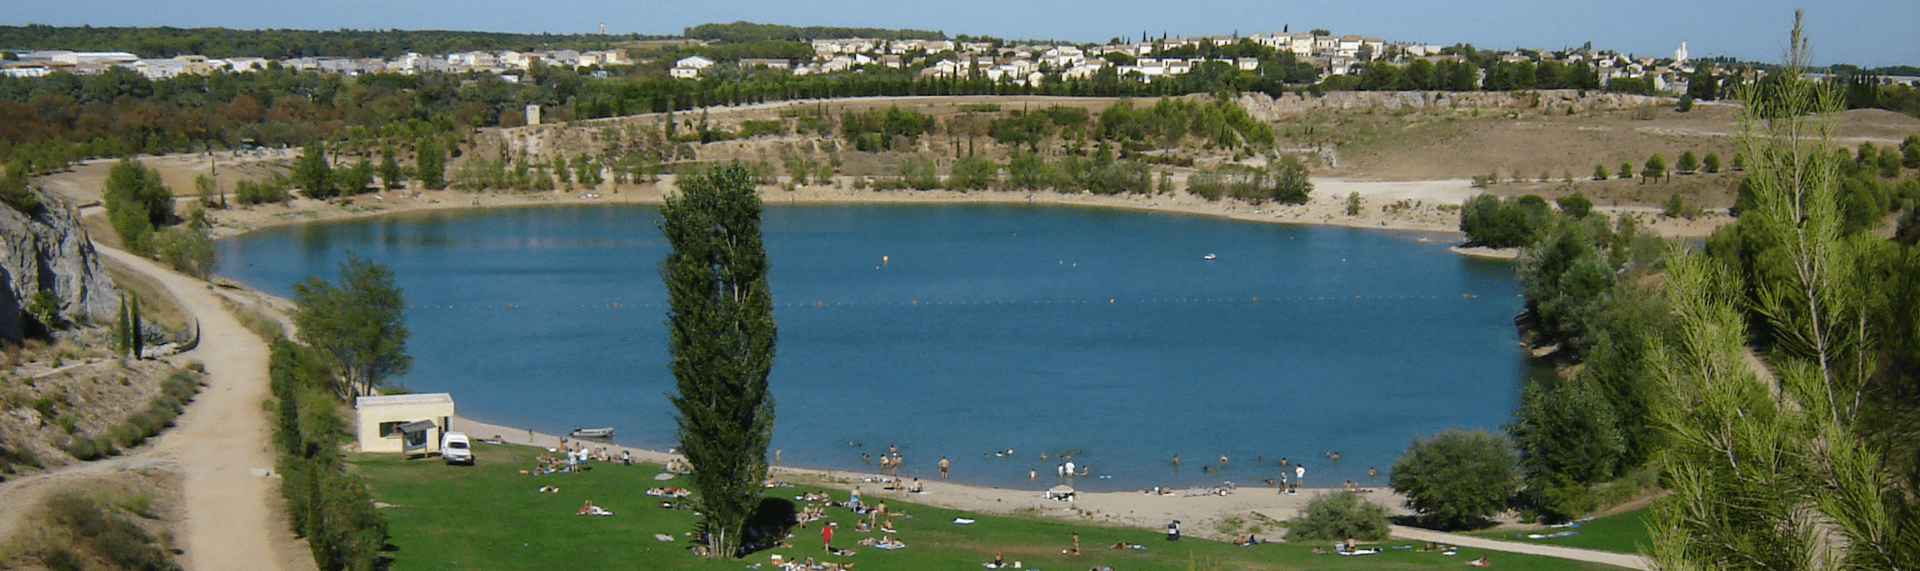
x,y
721,334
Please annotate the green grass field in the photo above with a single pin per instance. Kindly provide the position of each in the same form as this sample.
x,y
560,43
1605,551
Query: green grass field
x,y
1624,532
488,516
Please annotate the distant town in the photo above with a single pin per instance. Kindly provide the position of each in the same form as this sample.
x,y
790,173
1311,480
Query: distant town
x,y
1016,63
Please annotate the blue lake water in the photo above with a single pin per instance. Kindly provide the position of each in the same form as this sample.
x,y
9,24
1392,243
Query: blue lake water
x,y
1040,329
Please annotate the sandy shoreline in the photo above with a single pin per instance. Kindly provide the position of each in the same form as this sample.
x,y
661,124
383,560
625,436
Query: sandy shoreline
x,y
1198,514
1422,200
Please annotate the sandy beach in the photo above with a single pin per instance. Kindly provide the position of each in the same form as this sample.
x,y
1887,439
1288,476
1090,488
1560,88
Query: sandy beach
x,y
1198,512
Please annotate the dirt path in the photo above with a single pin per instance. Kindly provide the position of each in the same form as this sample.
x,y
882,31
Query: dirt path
x,y
1628,560
220,445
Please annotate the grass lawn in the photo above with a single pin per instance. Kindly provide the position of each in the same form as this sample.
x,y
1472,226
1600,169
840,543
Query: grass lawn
x,y
1624,532
488,516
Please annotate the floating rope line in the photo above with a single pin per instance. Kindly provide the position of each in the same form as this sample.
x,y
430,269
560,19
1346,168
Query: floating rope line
x,y
918,303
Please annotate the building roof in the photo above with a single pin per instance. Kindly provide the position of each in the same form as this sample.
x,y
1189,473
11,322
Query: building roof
x,y
396,400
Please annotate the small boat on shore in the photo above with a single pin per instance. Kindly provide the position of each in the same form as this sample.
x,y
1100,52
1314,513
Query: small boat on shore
x,y
1209,257
605,432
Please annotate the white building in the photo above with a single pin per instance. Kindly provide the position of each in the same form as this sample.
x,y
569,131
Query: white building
x,y
689,67
402,423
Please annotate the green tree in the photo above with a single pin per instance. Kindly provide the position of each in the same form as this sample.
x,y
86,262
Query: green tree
x,y
1490,221
1576,205
1599,172
1771,466
1340,516
1354,203
430,162
187,248
312,173
1291,184
1910,152
1688,163
973,173
1565,279
587,171
721,338
1711,162
1457,478
390,172
136,202
361,324
206,189
353,180
1569,437
1656,167
14,192
1626,170
560,170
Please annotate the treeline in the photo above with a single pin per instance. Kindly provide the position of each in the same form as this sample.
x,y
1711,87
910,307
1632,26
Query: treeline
x,y
329,507
1284,180
743,31
353,339
1450,75
1592,292
164,41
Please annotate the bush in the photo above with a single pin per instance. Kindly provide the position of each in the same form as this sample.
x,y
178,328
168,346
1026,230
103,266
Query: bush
x,y
1338,516
84,448
107,534
1456,478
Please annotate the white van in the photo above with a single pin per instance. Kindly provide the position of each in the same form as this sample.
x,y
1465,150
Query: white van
x,y
455,449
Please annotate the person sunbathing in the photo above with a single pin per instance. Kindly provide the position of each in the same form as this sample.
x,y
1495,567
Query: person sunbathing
x,y
1481,562
548,490
888,526
862,526
888,542
590,509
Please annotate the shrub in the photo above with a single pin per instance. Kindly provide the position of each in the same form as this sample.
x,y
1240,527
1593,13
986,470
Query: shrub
x,y
1457,478
1338,516
67,422
128,435
83,448
108,534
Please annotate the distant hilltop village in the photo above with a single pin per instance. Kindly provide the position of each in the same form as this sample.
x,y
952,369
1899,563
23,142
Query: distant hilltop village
x,y
40,63
1324,55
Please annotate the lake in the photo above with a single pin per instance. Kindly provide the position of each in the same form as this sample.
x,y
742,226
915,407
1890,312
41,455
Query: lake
x,y
961,330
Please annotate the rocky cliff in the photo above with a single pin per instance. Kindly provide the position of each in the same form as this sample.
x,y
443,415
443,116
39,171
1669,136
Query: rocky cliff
x,y
50,252
1267,108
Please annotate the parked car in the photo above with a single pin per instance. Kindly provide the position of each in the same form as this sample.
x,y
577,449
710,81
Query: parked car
x,y
455,449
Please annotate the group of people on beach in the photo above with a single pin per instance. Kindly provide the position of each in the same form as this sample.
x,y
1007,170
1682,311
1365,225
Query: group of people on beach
x,y
869,519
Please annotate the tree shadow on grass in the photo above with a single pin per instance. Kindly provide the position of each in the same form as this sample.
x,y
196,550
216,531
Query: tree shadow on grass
x,y
769,524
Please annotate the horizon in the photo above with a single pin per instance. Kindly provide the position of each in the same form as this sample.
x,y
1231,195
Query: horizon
x,y
1631,27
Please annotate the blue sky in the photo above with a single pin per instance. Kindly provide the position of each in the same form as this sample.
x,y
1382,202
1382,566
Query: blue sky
x,y
1863,32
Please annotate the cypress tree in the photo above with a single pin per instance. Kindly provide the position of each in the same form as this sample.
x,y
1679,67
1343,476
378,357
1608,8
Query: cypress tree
x,y
133,320
721,338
